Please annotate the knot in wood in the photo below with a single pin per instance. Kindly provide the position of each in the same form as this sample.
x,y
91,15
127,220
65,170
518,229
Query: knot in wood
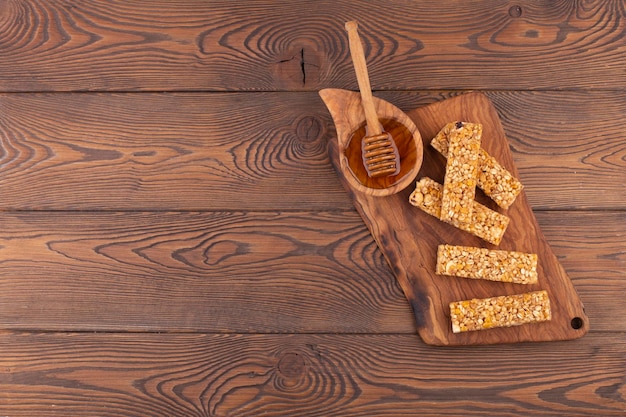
x,y
292,366
308,137
515,11
309,129
298,66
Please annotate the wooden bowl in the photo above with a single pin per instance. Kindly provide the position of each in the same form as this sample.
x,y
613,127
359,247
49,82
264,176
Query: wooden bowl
x,y
346,111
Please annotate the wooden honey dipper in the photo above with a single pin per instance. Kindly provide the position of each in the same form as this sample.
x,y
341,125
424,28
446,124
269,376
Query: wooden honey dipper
x,y
379,151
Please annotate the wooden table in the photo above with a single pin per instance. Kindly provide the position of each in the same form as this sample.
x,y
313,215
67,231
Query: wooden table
x,y
174,241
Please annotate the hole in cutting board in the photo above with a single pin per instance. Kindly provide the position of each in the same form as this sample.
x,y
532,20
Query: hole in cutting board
x,y
577,323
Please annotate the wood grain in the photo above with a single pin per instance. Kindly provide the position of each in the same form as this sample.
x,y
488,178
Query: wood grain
x,y
155,152
592,249
249,271
305,375
163,170
219,151
222,271
56,45
586,157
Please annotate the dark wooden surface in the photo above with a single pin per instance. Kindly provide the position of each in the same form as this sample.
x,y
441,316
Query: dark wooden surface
x,y
175,242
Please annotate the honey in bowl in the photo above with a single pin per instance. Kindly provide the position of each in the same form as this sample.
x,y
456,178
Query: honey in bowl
x,y
406,149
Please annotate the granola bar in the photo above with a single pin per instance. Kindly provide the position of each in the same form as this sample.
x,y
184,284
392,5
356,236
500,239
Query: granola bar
x,y
487,224
503,311
492,265
497,183
459,185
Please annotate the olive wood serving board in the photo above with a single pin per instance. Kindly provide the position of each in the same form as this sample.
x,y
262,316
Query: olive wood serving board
x,y
408,237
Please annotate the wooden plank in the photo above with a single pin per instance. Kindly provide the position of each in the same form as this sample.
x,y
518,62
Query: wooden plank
x,y
305,375
219,151
574,138
155,152
591,246
222,271
555,140
249,272
54,45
